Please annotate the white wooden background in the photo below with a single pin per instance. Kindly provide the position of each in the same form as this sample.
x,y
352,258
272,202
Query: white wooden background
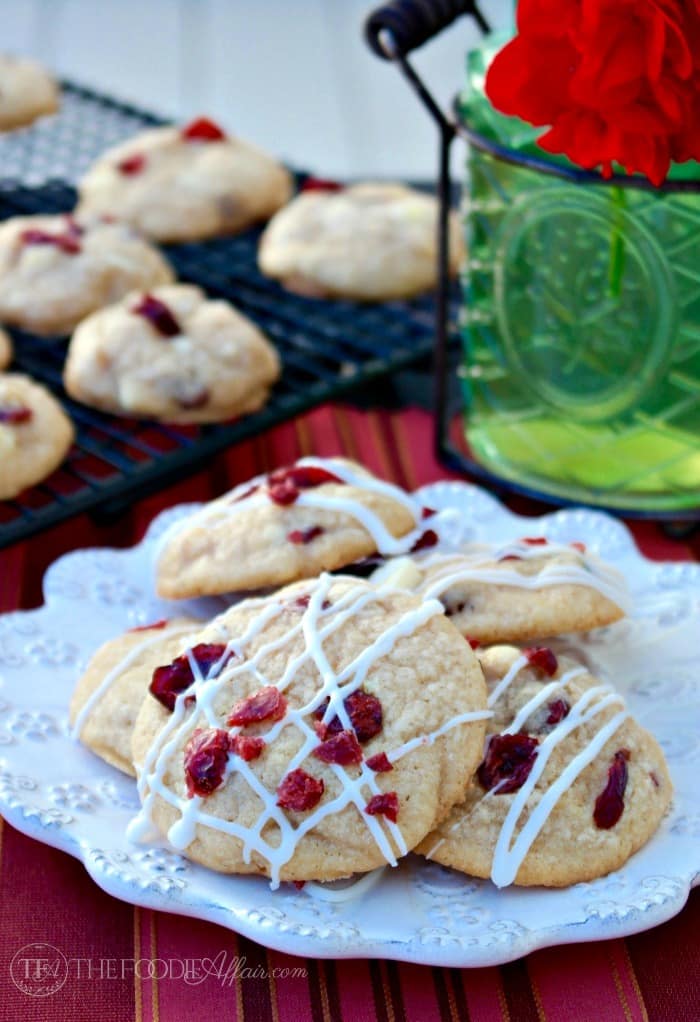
x,y
293,75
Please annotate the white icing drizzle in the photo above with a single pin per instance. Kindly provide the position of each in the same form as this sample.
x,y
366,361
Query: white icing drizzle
x,y
120,668
542,696
315,624
429,739
231,504
345,890
507,679
508,859
478,563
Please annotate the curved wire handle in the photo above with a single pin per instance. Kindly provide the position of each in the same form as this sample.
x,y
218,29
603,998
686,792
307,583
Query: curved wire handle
x,y
412,22
392,32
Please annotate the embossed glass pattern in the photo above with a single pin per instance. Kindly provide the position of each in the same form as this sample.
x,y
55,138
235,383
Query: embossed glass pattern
x,y
581,329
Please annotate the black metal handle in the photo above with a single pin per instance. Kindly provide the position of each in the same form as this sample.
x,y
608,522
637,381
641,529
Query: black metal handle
x,y
412,22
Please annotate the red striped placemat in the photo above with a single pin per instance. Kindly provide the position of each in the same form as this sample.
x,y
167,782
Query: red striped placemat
x,y
123,962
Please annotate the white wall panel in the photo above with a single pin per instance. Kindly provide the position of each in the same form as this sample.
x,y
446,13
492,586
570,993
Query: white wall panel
x,y
293,75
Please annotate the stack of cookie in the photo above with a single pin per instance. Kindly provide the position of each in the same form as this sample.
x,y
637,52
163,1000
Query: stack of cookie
x,y
334,725
144,346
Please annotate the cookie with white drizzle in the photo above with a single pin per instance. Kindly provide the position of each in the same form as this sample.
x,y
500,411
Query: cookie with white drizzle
x,y
108,696
522,590
570,786
317,515
171,354
310,734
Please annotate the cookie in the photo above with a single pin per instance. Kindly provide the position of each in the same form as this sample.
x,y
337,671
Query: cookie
x,y
570,785
108,696
55,270
186,184
27,91
311,734
317,515
172,355
5,350
35,434
369,242
522,590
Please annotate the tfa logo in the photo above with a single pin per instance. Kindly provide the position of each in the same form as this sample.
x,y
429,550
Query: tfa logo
x,y
39,970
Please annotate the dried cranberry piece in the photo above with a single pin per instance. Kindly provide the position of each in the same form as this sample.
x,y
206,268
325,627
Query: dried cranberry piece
x,y
66,242
507,763
342,748
169,681
610,804
654,779
202,130
321,729
206,755
306,477
132,165
246,493
73,228
266,704
428,539
557,711
285,483
246,746
380,763
299,884
156,625
302,602
509,557
428,512
283,493
16,415
299,791
542,658
363,568
581,547
321,184
158,314
304,536
364,711
474,643
196,400
534,540
384,805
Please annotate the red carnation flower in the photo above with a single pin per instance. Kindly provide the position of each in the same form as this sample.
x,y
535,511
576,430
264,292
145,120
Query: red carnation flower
x,y
614,80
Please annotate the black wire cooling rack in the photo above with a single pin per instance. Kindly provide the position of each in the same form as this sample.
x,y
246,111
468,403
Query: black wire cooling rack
x,y
327,348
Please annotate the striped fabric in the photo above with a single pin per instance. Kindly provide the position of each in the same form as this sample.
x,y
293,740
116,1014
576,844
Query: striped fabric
x,y
130,963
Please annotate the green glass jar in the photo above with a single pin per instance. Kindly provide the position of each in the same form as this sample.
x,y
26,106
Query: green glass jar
x,y
581,327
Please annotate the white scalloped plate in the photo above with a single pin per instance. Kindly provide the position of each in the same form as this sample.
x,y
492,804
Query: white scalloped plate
x,y
59,793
